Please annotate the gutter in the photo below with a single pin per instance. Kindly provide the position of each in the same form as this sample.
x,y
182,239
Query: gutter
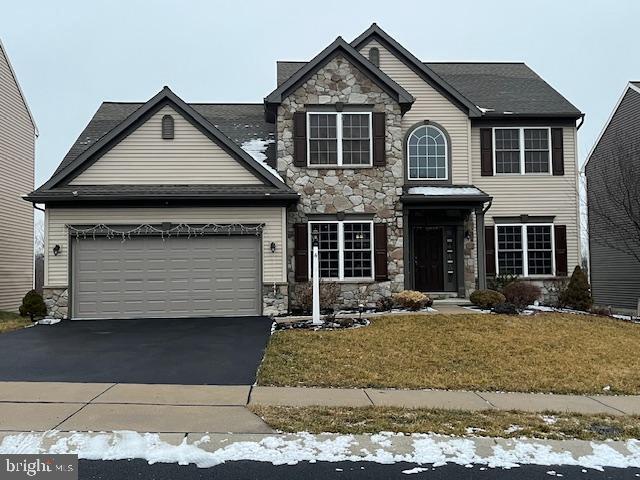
x,y
581,121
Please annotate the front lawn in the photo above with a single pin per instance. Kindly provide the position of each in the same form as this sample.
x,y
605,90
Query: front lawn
x,y
489,423
10,321
561,353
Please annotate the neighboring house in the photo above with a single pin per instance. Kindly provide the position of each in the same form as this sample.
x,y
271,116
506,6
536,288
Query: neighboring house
x,y
426,176
17,157
613,200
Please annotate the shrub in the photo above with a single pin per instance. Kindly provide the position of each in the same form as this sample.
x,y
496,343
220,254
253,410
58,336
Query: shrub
x,y
33,305
577,295
329,294
505,309
486,298
603,311
411,299
500,282
384,304
521,294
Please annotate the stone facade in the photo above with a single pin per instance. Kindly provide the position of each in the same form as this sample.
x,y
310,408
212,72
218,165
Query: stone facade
x,y
275,299
57,301
470,258
374,191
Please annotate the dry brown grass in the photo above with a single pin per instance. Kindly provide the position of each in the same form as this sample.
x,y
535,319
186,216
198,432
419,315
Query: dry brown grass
x,y
488,423
560,353
10,321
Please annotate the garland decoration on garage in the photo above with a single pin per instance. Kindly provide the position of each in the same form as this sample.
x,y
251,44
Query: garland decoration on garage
x,y
180,230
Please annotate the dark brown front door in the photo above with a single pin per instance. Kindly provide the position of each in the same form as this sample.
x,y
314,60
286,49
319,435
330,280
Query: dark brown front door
x,y
428,259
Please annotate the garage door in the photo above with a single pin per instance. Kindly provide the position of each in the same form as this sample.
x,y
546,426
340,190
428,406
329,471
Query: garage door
x,y
146,277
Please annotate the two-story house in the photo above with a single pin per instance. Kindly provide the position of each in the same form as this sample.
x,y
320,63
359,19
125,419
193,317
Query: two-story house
x,y
411,175
17,160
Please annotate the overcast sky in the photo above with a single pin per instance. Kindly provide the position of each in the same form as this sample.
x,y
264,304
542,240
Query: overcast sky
x,y
71,55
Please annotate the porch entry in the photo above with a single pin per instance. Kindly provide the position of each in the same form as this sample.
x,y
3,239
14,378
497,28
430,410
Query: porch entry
x,y
434,254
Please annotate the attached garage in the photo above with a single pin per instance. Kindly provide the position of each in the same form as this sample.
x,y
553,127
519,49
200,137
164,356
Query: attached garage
x,y
152,277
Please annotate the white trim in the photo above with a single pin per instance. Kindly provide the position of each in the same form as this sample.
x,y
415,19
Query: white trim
x,y
339,139
522,150
446,156
24,99
525,247
606,125
341,277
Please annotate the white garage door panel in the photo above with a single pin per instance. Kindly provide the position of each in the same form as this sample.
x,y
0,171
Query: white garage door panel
x,y
146,277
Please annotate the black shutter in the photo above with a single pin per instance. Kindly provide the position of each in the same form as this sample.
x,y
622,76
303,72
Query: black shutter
x,y
560,240
300,139
301,252
380,251
490,251
557,151
379,127
486,152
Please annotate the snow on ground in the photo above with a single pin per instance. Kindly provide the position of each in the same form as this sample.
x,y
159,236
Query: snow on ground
x,y
291,449
257,147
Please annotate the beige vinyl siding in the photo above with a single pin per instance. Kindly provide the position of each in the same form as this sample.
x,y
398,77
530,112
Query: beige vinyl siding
x,y
17,150
56,219
429,105
144,157
541,194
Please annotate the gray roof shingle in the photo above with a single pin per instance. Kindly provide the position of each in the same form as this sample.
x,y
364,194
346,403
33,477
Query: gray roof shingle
x,y
495,87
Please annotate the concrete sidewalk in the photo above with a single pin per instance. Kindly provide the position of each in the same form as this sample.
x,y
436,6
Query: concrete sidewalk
x,y
182,409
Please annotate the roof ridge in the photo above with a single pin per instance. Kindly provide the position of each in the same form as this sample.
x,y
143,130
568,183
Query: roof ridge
x,y
489,62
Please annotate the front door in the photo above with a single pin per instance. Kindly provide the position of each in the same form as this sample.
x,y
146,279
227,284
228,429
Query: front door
x,y
428,259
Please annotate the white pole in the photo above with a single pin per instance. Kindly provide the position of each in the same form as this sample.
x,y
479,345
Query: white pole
x,y
316,286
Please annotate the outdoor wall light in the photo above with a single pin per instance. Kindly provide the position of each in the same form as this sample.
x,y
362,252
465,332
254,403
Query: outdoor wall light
x,y
273,247
56,250
315,237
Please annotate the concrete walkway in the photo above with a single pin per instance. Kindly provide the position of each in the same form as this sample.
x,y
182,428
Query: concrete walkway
x,y
182,409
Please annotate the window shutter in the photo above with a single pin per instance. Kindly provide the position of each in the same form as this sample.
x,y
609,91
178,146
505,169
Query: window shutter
x,y
486,152
300,139
557,151
560,240
301,252
380,251
379,127
490,251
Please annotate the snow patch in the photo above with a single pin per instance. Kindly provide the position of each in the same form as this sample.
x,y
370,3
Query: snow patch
x,y
257,147
484,110
549,419
444,191
513,429
291,449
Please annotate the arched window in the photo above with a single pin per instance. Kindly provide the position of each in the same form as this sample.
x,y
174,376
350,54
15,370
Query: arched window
x,y
374,56
427,154
167,127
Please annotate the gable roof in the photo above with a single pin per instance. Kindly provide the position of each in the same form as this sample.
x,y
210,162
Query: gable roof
x,y
404,98
629,87
117,120
374,31
15,79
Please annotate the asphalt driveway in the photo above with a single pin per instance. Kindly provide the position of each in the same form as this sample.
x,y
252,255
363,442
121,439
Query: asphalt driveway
x,y
192,351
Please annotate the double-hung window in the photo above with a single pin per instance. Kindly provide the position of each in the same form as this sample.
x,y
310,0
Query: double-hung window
x,y
525,250
345,249
522,150
339,139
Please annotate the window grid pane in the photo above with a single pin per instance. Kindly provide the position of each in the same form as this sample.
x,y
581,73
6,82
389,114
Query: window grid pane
x,y
507,150
328,249
510,258
355,139
357,250
539,250
536,150
323,139
427,153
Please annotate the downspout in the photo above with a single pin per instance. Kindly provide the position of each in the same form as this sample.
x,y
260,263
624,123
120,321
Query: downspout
x,y
581,121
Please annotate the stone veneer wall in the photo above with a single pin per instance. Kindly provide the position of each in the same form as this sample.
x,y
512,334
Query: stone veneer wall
x,y
275,299
373,190
57,301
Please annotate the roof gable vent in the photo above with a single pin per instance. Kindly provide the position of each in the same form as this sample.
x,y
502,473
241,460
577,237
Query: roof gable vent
x,y
374,56
167,127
